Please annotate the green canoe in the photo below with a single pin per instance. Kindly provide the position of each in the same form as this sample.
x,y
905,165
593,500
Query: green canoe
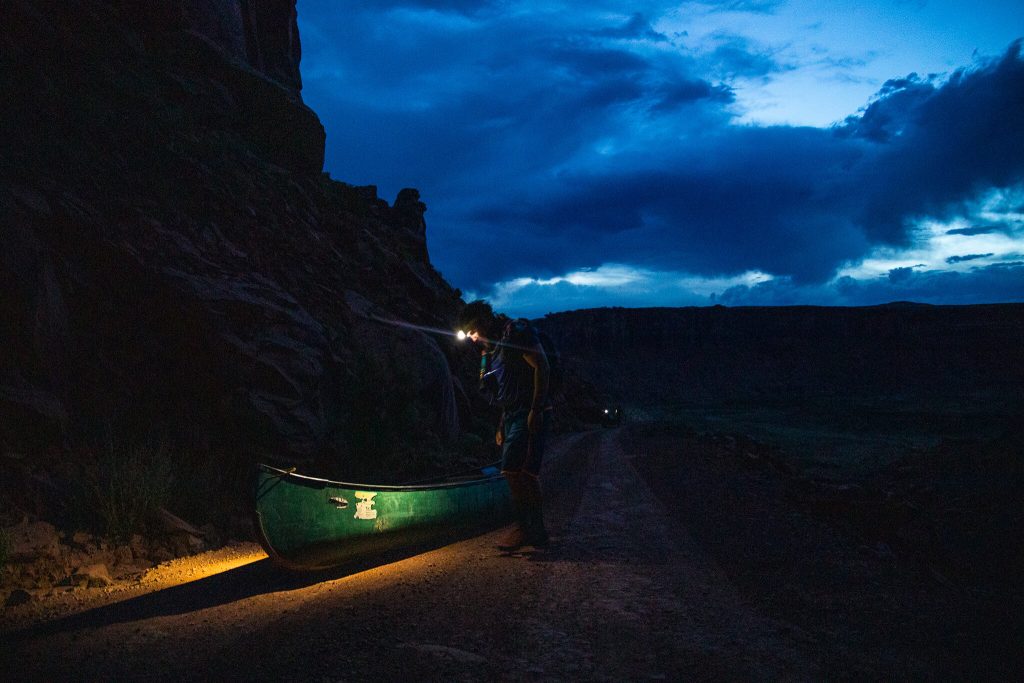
x,y
308,523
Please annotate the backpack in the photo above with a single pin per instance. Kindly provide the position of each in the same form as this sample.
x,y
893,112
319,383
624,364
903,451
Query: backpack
x,y
556,372
491,364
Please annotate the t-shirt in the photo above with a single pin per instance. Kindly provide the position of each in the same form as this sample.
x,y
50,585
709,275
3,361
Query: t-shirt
x,y
514,375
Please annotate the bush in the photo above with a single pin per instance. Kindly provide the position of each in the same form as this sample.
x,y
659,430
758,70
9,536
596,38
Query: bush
x,y
121,488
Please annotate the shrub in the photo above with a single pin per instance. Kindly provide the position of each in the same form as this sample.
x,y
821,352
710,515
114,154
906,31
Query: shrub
x,y
122,487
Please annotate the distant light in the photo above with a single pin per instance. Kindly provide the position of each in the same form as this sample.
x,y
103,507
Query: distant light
x,y
605,411
461,335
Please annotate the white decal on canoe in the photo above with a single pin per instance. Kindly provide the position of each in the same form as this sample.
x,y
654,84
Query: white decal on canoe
x,y
364,508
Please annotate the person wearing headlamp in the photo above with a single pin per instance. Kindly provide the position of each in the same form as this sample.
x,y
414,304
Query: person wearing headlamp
x,y
514,373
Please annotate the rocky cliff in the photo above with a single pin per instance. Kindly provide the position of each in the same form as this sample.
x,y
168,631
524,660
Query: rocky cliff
x,y
718,355
174,264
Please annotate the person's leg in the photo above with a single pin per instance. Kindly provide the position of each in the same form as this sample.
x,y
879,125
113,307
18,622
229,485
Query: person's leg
x,y
533,500
513,457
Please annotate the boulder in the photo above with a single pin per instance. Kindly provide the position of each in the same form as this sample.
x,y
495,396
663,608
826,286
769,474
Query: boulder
x,y
31,540
82,539
19,596
93,575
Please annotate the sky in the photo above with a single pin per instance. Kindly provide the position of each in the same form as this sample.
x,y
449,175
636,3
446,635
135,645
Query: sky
x,y
736,152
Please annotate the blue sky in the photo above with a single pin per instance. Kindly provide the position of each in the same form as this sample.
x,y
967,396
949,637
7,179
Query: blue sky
x,y
744,152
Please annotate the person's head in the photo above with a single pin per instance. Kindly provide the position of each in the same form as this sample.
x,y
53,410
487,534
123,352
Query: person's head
x,y
479,323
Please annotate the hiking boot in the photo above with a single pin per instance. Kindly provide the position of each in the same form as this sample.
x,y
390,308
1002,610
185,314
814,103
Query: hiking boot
x,y
513,540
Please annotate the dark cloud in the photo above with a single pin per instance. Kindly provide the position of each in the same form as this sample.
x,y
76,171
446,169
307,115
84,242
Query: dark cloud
x,y
637,27
687,91
752,6
967,257
974,230
544,144
736,56
595,62
896,106
903,274
747,199
791,201
937,146
460,6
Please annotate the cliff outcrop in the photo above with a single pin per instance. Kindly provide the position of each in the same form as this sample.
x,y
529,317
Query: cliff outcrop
x,y
174,264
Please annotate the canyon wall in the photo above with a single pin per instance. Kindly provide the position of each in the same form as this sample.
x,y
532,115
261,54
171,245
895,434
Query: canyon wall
x,y
719,355
175,266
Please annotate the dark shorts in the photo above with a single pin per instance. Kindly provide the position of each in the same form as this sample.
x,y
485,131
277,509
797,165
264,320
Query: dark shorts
x,y
522,451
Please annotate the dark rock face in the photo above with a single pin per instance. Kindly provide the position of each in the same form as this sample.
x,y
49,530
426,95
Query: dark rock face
x,y
408,215
262,35
719,355
174,264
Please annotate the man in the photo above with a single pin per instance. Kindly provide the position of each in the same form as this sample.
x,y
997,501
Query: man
x,y
515,374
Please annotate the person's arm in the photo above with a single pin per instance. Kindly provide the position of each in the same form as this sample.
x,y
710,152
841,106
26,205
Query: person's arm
x,y
541,372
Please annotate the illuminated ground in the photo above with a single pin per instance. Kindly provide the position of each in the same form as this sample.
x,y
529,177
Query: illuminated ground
x,y
626,592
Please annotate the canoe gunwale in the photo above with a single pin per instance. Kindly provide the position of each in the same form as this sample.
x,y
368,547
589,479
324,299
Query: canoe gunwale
x,y
316,481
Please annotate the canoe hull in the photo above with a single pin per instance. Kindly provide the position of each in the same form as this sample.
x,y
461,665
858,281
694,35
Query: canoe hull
x,y
308,523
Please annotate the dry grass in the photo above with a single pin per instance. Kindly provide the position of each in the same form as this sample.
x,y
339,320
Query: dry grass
x,y
121,487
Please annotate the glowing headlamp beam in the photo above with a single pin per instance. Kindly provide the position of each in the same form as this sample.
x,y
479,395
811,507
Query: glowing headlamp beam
x,y
461,335
422,328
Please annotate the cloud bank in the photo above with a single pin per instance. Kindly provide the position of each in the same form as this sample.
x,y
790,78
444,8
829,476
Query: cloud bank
x,y
552,144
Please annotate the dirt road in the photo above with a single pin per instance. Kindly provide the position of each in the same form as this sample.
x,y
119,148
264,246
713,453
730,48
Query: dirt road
x,y
623,593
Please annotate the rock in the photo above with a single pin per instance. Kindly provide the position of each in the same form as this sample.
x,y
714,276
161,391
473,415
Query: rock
x,y
161,554
212,535
81,538
30,540
19,596
95,575
138,545
75,558
174,524
408,213
185,544
123,555
264,35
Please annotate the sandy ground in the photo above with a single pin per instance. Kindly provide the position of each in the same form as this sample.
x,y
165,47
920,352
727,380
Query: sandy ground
x,y
615,597
625,592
